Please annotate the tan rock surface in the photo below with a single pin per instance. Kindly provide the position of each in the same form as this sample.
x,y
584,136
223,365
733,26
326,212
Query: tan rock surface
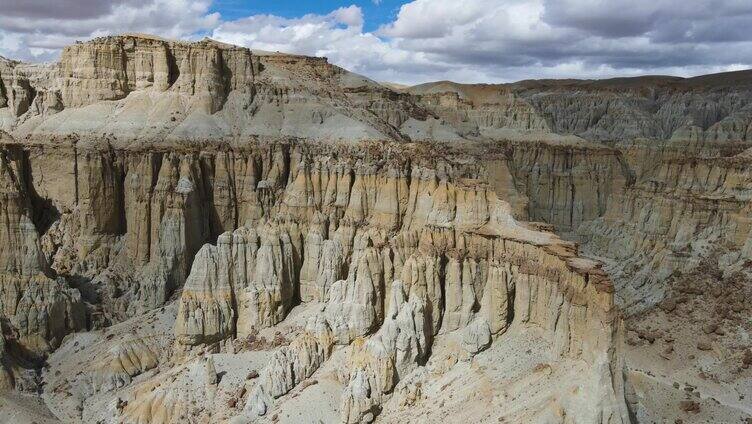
x,y
247,234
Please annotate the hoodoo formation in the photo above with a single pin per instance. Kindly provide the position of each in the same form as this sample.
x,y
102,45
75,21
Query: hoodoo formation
x,y
202,233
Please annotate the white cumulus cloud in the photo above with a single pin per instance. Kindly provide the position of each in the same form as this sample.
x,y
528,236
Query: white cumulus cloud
x,y
38,29
469,41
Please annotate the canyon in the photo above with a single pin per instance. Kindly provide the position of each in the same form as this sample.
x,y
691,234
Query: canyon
x,y
199,232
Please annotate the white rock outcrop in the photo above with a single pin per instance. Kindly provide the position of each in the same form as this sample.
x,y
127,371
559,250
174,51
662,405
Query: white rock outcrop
x,y
377,364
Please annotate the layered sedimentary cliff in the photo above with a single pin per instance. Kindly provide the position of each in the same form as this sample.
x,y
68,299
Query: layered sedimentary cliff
x,y
711,107
144,89
430,233
199,232
38,308
335,226
680,210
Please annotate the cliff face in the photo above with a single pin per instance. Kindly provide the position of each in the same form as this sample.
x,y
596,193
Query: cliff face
x,y
357,222
148,90
38,309
566,184
670,192
681,209
110,69
458,263
135,219
709,108
199,232
330,226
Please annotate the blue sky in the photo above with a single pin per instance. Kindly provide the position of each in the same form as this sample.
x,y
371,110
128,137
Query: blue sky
x,y
375,13
415,41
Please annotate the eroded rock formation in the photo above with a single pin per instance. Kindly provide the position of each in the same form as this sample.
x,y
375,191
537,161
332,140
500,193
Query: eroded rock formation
x,y
242,234
441,240
39,308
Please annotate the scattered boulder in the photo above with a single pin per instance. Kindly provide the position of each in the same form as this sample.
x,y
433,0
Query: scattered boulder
x,y
689,406
704,345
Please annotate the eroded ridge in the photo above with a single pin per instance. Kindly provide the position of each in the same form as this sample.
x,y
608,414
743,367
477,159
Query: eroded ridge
x,y
437,239
200,232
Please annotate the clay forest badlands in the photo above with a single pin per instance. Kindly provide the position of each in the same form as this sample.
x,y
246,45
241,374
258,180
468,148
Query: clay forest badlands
x,y
197,232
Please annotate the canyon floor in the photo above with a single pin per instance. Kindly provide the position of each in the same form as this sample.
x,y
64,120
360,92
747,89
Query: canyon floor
x,y
195,232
